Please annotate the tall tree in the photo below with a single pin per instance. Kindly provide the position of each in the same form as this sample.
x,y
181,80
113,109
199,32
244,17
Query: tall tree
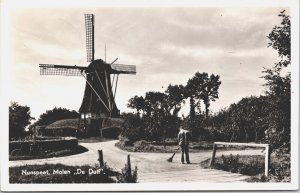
x,y
280,40
278,85
175,98
19,118
204,87
138,103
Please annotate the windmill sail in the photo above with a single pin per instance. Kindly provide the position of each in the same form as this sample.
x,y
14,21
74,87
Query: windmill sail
x,y
89,27
62,70
99,99
123,69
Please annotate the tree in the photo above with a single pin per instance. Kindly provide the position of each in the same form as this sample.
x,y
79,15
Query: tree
x,y
157,108
175,98
279,117
189,92
19,118
278,86
280,40
132,129
56,114
203,87
138,103
248,118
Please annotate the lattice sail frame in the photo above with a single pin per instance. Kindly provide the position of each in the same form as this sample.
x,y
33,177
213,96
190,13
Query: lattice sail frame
x,y
62,70
89,27
123,69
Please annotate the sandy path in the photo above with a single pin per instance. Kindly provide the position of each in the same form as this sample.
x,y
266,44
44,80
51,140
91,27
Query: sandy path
x,y
152,167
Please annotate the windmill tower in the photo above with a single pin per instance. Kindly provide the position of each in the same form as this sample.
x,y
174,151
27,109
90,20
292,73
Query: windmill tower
x,y
99,96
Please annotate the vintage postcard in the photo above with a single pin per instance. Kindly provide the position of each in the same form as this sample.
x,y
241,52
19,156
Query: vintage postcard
x,y
149,95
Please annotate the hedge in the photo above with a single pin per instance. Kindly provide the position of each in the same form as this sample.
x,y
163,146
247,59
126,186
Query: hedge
x,y
45,144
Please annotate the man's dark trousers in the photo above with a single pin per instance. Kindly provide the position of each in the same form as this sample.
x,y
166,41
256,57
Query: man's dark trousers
x,y
185,150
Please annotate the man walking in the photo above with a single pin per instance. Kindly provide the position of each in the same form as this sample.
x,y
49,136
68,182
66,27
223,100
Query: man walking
x,y
183,140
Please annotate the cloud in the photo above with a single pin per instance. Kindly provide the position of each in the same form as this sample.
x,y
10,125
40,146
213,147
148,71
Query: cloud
x,y
168,45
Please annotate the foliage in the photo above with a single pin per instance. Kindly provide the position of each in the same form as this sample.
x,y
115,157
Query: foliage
x,y
142,146
45,144
19,154
278,87
196,125
127,176
280,40
104,176
244,121
138,103
241,164
175,98
132,129
279,116
19,118
253,165
202,87
159,115
56,114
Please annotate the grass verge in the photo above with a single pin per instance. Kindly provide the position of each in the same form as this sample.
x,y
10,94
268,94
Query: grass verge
x,y
254,166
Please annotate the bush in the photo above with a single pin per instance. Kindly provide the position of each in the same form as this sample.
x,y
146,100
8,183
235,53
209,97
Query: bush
x,y
40,154
127,176
143,146
132,129
45,144
241,164
111,132
254,166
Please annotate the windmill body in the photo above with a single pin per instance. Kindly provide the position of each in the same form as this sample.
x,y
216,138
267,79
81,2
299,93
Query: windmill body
x,y
98,101
91,105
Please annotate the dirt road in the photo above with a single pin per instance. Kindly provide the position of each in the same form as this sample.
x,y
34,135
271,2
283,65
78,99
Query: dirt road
x,y
152,167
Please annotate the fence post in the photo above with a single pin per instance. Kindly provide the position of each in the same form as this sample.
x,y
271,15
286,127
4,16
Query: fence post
x,y
100,159
213,154
128,167
267,160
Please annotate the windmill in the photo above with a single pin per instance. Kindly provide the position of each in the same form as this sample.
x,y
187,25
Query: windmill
x,y
99,96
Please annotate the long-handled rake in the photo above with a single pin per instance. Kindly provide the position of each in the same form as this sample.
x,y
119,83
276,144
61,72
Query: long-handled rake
x,y
171,158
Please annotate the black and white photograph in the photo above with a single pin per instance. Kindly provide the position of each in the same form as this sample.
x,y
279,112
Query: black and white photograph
x,y
135,95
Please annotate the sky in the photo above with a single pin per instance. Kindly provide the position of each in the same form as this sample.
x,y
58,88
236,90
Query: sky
x,y
167,45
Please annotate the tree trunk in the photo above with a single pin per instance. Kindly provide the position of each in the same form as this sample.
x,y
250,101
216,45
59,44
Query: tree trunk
x,y
192,107
207,105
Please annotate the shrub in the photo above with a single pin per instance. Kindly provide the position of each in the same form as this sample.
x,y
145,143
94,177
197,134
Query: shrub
x,y
241,164
143,146
254,166
127,176
45,144
132,129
